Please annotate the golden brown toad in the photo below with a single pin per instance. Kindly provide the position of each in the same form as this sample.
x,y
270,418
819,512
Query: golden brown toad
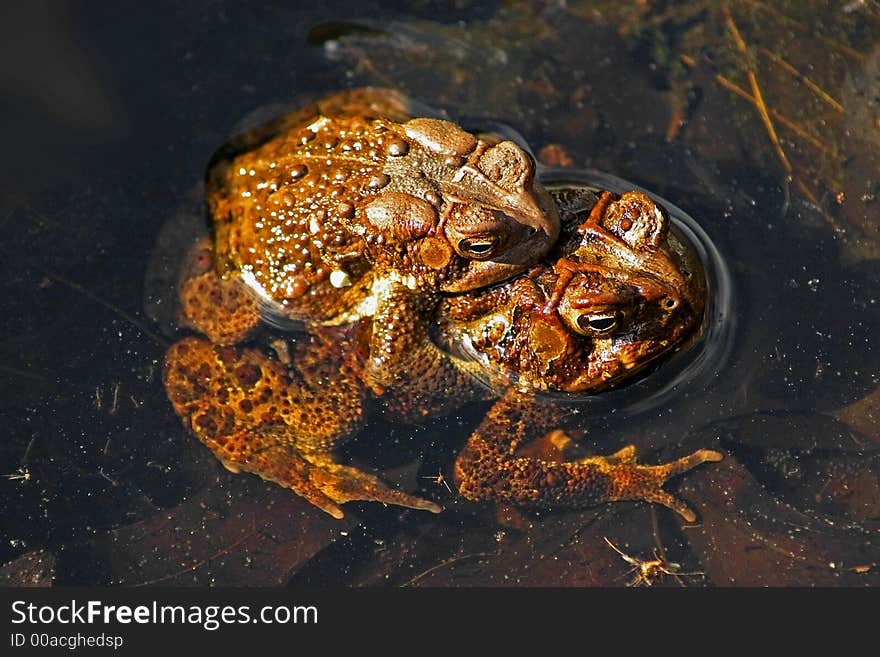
x,y
347,210
628,291
350,208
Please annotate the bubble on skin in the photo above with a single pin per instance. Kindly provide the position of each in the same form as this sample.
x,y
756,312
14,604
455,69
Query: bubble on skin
x,y
379,180
316,222
340,278
345,210
298,171
396,147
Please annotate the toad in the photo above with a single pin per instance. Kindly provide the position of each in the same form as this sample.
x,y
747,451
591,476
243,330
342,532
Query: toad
x,y
632,290
624,291
350,208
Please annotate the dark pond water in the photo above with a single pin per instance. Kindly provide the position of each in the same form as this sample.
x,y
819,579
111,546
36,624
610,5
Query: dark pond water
x,y
111,119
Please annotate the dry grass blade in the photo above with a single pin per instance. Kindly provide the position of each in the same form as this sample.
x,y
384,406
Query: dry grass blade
x,y
756,89
783,120
812,86
855,55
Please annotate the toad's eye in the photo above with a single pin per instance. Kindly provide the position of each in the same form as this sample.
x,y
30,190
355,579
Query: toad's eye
x,y
478,248
592,323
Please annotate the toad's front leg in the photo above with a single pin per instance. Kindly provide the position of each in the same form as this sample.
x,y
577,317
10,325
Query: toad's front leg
x,y
488,469
415,376
282,424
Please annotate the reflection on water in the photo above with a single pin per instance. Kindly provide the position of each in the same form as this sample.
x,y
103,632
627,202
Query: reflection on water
x,y
100,478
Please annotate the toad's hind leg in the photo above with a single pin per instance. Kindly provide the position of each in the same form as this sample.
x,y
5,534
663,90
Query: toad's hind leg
x,y
258,417
632,481
489,469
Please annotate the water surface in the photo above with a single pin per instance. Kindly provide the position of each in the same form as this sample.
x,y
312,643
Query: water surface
x,y
115,117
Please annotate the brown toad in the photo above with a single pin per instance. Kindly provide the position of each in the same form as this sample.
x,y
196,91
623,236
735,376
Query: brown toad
x,y
627,292
630,291
349,208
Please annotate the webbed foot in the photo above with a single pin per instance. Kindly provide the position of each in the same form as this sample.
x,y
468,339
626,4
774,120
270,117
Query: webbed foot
x,y
342,483
324,483
629,480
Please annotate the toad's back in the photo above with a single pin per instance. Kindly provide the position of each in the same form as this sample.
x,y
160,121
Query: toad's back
x,y
279,210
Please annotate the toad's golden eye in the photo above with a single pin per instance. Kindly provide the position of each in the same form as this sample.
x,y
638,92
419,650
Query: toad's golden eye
x,y
478,248
592,323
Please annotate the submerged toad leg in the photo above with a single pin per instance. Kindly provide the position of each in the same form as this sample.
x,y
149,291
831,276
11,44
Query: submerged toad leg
x,y
487,469
281,424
